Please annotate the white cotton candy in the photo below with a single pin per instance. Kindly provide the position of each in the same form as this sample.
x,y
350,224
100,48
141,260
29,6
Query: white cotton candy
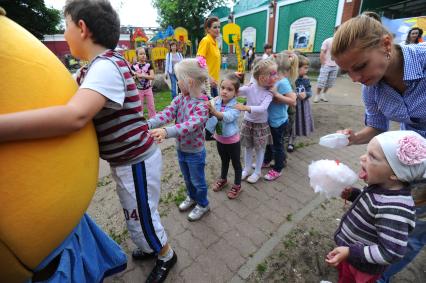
x,y
330,177
335,140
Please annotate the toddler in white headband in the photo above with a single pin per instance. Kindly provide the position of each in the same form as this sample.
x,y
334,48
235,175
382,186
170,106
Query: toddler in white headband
x,y
373,233
405,152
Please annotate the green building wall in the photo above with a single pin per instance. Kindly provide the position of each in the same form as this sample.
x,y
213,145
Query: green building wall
x,y
258,21
324,11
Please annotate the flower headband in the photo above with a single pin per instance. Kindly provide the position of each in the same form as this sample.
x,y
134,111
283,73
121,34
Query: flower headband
x,y
411,150
202,62
405,152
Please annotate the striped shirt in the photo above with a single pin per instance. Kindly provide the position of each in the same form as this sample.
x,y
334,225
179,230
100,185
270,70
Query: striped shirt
x,y
376,227
122,133
384,104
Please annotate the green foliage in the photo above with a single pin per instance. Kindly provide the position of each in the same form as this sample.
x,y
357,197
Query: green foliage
x,y
189,14
162,99
261,268
118,237
33,15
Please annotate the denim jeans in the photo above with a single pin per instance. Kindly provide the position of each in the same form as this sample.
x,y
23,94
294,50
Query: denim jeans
x,y
416,241
173,82
192,166
276,150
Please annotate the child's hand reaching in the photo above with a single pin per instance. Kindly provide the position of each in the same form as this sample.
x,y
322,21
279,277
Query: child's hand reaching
x,y
158,134
302,95
242,107
337,255
346,193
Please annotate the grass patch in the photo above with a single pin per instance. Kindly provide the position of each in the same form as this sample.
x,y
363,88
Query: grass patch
x,y
302,144
180,195
288,243
162,99
261,268
104,181
118,237
176,197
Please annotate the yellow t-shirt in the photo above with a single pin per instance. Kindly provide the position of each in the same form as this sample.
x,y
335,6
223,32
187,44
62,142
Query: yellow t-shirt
x,y
209,49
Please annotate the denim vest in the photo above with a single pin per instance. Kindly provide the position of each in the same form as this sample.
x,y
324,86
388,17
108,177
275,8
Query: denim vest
x,y
229,121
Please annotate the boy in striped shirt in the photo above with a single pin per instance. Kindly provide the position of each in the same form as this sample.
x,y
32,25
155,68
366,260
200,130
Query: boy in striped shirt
x,y
107,95
373,233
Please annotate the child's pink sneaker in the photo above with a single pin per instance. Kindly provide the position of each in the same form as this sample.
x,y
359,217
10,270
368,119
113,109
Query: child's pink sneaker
x,y
272,175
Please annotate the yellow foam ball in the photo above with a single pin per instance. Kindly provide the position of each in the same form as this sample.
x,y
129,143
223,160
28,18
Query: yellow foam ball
x,y
45,185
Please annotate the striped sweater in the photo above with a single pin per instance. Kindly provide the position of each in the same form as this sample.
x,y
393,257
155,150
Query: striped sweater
x,y
122,134
376,227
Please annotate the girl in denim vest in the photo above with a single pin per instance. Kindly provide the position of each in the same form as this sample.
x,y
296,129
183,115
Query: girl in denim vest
x,y
224,125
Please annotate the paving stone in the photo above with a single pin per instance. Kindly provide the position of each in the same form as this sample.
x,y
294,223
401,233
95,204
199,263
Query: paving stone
x,y
241,242
192,245
273,215
260,222
256,235
204,233
215,266
219,225
249,201
228,254
195,274
238,207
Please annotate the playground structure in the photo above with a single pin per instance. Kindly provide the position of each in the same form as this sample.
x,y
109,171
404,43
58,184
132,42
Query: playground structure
x,y
232,36
158,46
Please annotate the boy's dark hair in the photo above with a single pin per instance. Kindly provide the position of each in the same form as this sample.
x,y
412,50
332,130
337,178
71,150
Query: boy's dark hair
x,y
303,61
209,22
234,79
99,16
267,46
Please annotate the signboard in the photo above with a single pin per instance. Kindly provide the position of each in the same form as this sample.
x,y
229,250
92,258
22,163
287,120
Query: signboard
x,y
302,34
231,32
400,27
249,37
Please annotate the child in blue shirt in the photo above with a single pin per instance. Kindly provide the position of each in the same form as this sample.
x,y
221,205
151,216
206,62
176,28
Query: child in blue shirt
x,y
277,114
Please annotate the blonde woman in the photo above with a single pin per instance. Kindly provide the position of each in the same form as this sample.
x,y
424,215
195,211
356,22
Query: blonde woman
x,y
394,79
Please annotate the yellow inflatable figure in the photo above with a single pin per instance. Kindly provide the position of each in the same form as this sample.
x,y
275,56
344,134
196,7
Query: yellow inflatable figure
x,y
47,184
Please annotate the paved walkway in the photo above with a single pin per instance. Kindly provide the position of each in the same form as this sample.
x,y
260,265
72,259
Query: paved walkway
x,y
229,242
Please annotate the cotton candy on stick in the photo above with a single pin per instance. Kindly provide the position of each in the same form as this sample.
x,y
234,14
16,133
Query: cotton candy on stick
x,y
330,177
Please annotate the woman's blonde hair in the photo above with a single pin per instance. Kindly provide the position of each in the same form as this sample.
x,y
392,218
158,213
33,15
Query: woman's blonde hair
x,y
362,32
288,62
262,67
191,68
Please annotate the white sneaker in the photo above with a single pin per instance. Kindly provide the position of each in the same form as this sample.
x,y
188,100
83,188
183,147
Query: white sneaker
x,y
198,212
316,98
186,204
244,174
323,98
253,178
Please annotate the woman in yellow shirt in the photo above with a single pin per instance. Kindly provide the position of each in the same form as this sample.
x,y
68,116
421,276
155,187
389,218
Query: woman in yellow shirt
x,y
209,49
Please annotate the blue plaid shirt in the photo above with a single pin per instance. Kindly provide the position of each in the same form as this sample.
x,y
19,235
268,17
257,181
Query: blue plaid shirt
x,y
384,104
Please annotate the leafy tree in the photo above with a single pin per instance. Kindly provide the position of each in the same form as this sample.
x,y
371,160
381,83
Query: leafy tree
x,y
189,14
33,15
